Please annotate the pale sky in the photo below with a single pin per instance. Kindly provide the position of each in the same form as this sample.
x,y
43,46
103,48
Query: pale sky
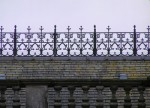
x,y
121,15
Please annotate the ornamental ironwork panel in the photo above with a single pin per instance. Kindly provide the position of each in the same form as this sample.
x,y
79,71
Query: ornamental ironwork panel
x,y
74,43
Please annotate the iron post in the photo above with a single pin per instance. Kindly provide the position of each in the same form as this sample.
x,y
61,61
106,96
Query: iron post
x,y
108,38
55,39
41,38
68,40
15,41
1,49
28,39
148,40
95,50
134,42
81,28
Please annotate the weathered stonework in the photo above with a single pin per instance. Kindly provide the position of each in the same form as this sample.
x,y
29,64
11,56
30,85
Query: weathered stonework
x,y
74,69
61,82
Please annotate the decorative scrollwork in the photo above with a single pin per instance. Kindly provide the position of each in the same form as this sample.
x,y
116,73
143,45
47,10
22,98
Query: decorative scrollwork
x,y
74,43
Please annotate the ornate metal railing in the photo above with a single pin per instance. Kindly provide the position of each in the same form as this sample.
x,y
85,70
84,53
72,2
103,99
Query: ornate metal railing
x,y
74,43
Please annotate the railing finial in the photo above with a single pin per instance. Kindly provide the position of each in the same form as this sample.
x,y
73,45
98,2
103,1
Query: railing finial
x,y
55,26
41,28
94,26
81,28
55,42
94,40
15,41
15,27
134,26
148,28
28,29
1,28
108,28
68,28
134,41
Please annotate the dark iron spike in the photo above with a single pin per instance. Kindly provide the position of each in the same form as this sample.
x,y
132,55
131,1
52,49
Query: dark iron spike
x,y
28,28
15,41
55,27
15,27
134,26
94,26
134,42
94,40
55,40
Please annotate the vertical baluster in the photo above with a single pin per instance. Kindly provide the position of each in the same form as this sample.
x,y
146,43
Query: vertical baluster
x,y
15,41
71,100
141,100
2,98
68,40
127,100
85,100
121,36
148,40
41,39
28,37
57,103
99,101
1,39
134,42
108,39
16,98
113,100
55,40
81,47
95,49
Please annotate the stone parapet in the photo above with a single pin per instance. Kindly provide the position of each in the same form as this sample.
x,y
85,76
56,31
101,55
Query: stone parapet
x,y
80,68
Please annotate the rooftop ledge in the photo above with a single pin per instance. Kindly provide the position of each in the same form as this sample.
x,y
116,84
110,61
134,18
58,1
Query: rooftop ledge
x,y
130,58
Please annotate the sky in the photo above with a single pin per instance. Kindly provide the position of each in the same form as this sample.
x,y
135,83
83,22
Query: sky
x,y
120,15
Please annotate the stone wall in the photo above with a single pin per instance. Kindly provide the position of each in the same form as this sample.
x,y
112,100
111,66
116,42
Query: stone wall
x,y
31,82
78,68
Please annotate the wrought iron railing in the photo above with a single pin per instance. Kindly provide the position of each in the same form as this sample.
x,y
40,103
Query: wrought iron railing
x,y
74,43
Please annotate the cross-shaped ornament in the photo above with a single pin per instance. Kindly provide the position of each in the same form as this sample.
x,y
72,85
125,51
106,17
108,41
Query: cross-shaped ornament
x,y
1,28
41,28
108,28
148,28
81,28
68,28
